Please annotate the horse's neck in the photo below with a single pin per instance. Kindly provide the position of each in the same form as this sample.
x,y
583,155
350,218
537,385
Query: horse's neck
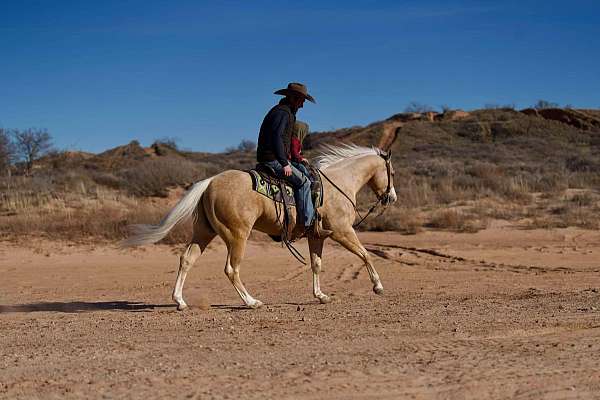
x,y
352,175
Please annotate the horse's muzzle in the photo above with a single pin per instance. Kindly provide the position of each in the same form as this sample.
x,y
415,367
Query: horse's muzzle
x,y
389,197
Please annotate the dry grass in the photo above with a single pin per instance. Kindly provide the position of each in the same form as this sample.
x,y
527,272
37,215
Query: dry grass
x,y
402,220
574,208
81,218
456,220
458,175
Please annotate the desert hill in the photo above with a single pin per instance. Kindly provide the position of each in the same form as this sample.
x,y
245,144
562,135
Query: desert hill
x,y
456,170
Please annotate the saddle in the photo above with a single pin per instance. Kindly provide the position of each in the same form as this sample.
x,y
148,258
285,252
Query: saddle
x,y
266,182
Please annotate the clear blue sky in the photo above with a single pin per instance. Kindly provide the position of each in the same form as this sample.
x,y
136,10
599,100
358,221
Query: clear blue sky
x,y
98,74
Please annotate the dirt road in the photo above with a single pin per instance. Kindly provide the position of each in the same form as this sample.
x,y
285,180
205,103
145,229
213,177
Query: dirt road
x,y
498,314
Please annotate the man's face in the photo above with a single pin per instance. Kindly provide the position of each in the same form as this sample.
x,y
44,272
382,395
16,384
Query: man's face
x,y
297,101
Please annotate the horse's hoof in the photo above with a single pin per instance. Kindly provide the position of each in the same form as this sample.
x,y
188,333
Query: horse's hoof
x,y
181,307
378,290
256,304
325,299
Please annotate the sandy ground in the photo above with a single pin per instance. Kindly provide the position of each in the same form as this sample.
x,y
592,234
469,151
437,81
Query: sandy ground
x,y
502,313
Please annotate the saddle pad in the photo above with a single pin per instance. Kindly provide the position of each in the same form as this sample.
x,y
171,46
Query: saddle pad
x,y
269,186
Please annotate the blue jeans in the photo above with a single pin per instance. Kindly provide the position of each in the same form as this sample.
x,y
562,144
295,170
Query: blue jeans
x,y
301,167
301,185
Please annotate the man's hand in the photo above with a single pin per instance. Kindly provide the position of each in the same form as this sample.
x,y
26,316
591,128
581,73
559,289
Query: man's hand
x,y
287,170
305,162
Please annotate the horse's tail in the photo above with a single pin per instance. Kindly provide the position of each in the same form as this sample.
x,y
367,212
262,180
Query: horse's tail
x,y
146,234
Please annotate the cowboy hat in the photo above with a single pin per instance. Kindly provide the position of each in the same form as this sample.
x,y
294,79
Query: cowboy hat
x,y
295,88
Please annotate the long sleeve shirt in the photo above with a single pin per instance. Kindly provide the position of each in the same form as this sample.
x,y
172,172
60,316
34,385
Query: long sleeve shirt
x,y
274,137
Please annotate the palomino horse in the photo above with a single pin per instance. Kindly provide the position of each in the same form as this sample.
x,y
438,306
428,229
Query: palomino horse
x,y
226,205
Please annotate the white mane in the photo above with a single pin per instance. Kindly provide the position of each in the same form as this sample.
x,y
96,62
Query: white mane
x,y
330,155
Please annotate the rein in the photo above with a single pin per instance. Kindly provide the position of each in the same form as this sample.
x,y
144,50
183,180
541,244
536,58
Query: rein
x,y
380,199
285,225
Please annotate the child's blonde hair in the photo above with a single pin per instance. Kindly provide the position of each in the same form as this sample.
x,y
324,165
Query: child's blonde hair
x,y
300,130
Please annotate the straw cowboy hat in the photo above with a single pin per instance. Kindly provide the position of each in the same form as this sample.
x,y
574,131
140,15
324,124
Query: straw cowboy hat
x,y
297,89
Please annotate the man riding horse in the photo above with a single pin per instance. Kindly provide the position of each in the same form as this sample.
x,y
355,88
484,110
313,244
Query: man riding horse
x,y
227,205
274,151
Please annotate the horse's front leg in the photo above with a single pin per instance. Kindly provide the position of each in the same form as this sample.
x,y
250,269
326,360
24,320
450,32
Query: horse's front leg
x,y
349,240
315,247
236,248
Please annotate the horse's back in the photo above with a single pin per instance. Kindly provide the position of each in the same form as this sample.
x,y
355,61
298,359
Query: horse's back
x,y
229,186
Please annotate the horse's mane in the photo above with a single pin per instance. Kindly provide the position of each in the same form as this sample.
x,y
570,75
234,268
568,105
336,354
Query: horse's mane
x,y
330,155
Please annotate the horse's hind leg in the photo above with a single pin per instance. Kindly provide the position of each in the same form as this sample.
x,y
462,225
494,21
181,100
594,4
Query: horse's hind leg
x,y
236,248
203,235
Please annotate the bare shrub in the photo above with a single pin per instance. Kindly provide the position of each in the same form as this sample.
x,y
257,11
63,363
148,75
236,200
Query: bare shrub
x,y
153,177
30,144
542,104
244,146
417,107
455,220
395,219
108,179
168,142
447,219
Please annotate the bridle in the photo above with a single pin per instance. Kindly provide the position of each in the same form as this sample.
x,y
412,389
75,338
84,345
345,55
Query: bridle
x,y
384,199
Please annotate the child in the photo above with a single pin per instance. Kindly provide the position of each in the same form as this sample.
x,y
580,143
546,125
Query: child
x,y
299,133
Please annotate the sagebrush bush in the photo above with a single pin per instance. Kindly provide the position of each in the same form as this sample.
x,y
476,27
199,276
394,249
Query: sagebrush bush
x,y
455,220
394,219
153,177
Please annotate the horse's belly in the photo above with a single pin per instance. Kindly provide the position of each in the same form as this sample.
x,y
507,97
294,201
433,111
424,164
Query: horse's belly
x,y
271,219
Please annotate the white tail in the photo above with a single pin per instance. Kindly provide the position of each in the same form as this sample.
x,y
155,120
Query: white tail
x,y
146,234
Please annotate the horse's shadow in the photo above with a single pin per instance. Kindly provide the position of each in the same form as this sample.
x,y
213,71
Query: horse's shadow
x,y
131,306
80,306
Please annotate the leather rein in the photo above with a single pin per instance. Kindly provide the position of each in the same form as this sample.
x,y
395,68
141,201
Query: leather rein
x,y
381,199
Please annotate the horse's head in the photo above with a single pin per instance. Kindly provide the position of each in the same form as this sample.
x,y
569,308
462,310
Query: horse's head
x,y
382,182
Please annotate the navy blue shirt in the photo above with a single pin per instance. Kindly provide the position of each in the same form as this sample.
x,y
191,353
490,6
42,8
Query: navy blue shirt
x,y
271,139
